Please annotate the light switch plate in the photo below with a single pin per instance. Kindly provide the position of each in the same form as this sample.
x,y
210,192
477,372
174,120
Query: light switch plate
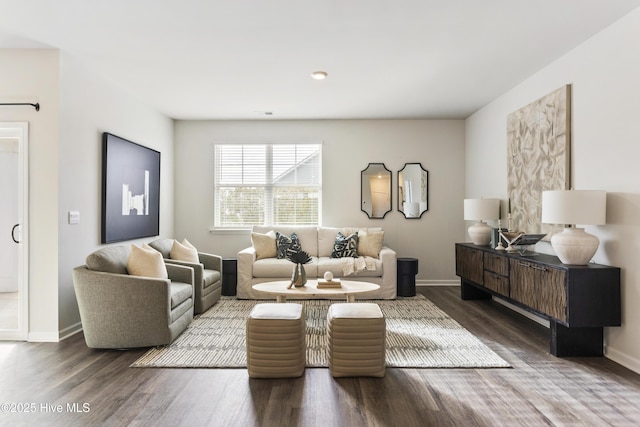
x,y
74,217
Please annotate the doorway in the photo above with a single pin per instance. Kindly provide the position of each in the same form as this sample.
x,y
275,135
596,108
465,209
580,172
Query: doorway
x,y
13,231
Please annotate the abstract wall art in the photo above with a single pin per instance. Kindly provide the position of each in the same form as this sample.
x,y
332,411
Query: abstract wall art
x,y
538,157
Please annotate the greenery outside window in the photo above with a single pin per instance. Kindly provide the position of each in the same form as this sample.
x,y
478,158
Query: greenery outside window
x,y
267,184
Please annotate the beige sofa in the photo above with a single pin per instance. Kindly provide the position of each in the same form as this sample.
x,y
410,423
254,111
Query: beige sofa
x,y
318,242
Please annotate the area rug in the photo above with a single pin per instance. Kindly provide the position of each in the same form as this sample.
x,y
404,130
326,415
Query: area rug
x,y
419,335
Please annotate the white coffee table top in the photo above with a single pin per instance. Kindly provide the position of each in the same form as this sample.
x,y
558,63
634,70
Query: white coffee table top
x,y
348,289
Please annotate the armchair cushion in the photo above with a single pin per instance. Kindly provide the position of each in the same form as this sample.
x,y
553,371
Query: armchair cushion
x,y
184,251
146,262
180,292
211,277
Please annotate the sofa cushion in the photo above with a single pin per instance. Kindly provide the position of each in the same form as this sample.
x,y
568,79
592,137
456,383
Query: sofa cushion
x,y
264,244
345,246
282,268
184,251
146,262
111,259
287,245
370,243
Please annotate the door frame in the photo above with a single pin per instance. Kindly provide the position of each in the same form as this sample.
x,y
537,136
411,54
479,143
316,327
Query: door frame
x,y
20,131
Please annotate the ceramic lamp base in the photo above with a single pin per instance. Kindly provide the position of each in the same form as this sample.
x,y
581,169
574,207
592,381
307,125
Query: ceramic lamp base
x,y
575,246
480,233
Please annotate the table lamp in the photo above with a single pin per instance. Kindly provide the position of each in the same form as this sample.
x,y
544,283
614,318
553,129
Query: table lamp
x,y
569,207
480,210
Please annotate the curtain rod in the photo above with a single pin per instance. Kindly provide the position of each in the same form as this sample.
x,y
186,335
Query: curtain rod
x,y
36,105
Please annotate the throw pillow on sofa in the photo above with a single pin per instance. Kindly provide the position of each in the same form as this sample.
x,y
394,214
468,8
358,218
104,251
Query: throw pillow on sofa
x,y
264,244
370,243
147,262
287,245
184,251
345,246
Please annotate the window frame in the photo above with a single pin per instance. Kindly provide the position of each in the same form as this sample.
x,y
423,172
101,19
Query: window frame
x,y
269,186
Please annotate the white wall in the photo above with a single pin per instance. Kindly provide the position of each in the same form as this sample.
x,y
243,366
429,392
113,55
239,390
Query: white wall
x,y
349,145
65,170
32,76
605,76
89,106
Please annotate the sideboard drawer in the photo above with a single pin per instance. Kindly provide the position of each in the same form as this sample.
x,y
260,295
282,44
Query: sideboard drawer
x,y
496,283
497,263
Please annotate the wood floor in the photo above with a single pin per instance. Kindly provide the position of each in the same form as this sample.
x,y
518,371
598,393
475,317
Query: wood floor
x,y
95,387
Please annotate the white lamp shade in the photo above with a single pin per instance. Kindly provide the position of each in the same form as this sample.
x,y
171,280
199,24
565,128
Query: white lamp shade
x,y
481,209
574,207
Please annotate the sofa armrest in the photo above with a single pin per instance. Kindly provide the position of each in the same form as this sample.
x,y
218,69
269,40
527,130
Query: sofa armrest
x,y
389,269
246,258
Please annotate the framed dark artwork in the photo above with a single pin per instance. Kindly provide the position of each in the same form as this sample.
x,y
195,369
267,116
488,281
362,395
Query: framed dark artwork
x,y
130,190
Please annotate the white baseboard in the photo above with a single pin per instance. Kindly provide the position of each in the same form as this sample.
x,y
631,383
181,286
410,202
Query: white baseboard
x,y
437,282
55,337
70,331
43,337
623,359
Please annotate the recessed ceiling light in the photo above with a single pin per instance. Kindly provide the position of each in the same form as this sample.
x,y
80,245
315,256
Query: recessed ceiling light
x,y
319,75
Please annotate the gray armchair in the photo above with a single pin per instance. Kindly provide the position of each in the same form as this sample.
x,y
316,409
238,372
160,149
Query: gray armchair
x,y
118,310
207,274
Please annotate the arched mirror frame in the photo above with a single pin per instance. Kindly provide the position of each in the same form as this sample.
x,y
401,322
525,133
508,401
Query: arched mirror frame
x,y
419,207
367,202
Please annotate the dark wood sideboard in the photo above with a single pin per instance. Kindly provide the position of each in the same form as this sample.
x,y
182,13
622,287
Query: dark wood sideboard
x,y
578,300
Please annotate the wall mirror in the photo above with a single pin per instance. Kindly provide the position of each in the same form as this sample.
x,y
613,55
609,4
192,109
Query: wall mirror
x,y
413,181
375,199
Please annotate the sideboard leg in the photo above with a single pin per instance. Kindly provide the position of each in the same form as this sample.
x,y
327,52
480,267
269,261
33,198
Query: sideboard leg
x,y
575,342
469,292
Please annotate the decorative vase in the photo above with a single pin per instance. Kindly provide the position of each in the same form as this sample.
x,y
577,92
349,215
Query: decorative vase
x,y
299,278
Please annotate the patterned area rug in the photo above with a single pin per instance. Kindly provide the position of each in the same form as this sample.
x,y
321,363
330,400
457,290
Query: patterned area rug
x,y
419,335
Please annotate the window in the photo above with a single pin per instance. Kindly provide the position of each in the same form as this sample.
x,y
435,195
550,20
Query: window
x,y
267,184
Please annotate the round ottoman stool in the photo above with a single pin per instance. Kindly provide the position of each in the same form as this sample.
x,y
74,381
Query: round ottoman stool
x,y
356,335
276,341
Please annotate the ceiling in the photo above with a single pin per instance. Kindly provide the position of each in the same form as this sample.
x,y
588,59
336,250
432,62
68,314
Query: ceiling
x,y
238,59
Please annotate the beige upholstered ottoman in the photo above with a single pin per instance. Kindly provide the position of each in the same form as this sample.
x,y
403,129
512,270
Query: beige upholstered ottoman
x,y
356,335
276,341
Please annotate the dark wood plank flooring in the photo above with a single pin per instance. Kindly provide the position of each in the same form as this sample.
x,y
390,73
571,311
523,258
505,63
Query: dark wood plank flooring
x,y
97,387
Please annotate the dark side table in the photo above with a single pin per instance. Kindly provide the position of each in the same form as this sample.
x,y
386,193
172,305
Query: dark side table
x,y
407,270
229,276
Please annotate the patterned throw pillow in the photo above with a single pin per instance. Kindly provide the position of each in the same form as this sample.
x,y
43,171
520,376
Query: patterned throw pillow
x,y
286,245
345,246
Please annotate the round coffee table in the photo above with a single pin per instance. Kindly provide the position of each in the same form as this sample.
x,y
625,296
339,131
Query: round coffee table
x,y
348,289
